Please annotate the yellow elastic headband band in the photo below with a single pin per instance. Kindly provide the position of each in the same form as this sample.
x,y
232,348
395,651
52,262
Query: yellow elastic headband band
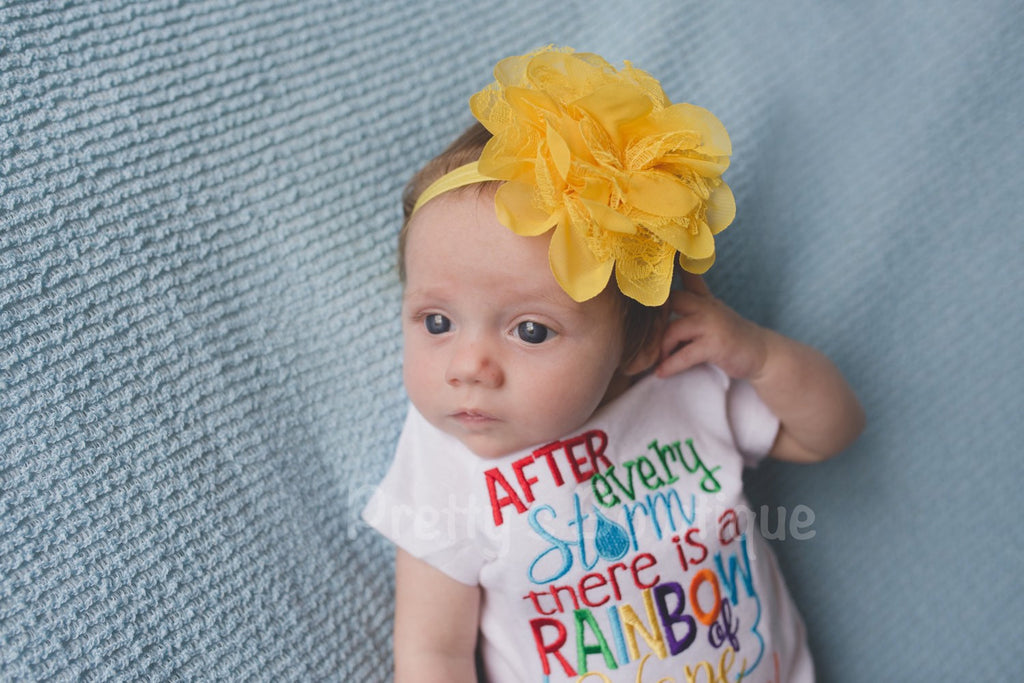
x,y
456,178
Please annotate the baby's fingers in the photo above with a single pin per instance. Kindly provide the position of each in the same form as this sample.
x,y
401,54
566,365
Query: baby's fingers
x,y
695,283
681,359
683,304
680,346
680,331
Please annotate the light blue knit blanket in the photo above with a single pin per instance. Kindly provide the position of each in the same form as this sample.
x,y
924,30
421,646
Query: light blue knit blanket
x,y
199,340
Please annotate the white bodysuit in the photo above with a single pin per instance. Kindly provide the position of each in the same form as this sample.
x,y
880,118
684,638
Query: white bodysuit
x,y
624,552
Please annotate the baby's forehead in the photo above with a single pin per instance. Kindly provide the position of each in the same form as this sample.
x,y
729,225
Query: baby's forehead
x,y
463,229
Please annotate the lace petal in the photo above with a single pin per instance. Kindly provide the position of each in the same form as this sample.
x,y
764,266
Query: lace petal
x,y
721,208
660,194
649,283
607,218
683,116
574,265
696,266
514,205
699,244
559,151
614,106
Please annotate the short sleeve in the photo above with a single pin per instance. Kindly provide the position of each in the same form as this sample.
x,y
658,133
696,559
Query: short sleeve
x,y
422,504
754,426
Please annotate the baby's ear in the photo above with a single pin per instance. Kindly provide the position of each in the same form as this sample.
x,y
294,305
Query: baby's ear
x,y
650,351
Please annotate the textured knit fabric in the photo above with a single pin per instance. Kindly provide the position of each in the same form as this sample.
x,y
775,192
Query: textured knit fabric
x,y
199,352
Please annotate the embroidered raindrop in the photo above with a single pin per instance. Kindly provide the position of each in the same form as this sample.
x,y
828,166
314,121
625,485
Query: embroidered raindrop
x,y
610,539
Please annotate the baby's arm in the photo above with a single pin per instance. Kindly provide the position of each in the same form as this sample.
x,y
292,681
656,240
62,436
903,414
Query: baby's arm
x,y
818,411
436,622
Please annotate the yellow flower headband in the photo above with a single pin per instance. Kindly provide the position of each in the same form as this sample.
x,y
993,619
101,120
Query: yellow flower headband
x,y
625,177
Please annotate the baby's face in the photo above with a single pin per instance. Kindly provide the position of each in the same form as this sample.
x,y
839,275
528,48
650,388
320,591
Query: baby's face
x,y
496,353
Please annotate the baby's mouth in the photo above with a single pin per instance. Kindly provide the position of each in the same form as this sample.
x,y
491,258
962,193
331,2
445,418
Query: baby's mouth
x,y
472,417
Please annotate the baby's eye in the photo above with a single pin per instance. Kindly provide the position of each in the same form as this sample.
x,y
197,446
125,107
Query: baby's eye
x,y
437,323
533,333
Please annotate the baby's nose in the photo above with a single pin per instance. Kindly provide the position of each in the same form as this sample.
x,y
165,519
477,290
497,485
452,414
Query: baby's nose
x,y
473,362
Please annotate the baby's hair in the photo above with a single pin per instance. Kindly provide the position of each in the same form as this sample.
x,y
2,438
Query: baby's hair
x,y
641,323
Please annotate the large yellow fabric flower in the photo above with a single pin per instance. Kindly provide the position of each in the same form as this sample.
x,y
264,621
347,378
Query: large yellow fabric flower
x,y
625,177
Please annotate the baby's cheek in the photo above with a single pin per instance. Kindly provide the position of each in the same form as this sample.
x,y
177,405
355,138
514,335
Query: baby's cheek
x,y
570,405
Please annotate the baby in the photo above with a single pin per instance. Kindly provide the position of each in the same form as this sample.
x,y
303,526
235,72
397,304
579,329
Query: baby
x,y
566,495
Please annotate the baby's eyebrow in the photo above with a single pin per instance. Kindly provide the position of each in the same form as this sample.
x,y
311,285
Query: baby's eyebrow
x,y
548,295
420,293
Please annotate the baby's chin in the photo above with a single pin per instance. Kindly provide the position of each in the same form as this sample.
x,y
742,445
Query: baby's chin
x,y
490,451
489,447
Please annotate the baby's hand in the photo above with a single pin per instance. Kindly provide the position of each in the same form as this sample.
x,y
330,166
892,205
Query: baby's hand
x,y
705,330
819,414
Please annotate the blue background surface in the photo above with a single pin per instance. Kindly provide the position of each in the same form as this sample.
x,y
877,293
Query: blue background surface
x,y
199,350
